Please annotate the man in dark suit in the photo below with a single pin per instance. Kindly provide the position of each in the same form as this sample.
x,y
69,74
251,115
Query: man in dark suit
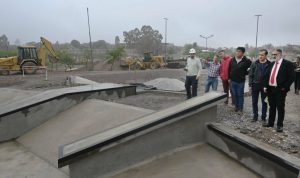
x,y
277,83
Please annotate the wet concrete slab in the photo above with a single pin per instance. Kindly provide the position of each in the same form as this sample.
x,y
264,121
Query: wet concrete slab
x,y
85,119
196,162
18,162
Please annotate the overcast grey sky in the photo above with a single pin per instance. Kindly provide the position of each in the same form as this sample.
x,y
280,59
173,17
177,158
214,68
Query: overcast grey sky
x,y
231,21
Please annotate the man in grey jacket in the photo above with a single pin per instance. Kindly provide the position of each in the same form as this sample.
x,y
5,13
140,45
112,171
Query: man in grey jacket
x,y
257,73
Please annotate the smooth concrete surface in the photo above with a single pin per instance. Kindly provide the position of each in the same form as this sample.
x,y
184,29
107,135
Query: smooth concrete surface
x,y
257,156
18,162
101,137
85,119
46,95
124,154
22,116
137,147
202,161
8,96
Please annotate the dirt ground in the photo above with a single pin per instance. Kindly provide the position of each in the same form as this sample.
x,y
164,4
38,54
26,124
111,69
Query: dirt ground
x,y
288,141
57,79
153,100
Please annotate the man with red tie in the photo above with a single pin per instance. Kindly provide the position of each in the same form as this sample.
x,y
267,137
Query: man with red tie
x,y
277,83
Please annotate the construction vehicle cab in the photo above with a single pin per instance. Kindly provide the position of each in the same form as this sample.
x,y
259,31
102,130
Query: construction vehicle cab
x,y
148,56
28,58
27,52
152,62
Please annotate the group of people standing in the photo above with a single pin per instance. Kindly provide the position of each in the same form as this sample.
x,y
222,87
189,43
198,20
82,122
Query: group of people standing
x,y
268,79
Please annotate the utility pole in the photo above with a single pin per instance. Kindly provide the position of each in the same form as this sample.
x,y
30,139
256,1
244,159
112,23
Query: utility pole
x,y
206,37
91,50
257,29
166,26
7,45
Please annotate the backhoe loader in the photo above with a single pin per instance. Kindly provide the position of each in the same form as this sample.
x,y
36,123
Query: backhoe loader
x,y
29,58
148,62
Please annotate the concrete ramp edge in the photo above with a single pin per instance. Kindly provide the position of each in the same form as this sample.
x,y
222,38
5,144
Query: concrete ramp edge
x,y
116,149
257,156
20,117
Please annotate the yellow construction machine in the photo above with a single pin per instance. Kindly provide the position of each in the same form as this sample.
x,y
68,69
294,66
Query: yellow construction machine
x,y
148,62
29,58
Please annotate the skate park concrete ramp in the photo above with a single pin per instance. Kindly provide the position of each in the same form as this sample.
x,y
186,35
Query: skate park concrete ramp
x,y
20,117
10,95
141,139
180,141
40,145
17,162
196,161
83,135
85,119
34,153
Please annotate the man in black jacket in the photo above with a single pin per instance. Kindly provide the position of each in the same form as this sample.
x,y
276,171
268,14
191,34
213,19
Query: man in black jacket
x,y
257,73
238,69
277,83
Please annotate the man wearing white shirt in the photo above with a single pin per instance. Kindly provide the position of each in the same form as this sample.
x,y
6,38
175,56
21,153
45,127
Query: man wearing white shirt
x,y
193,68
277,83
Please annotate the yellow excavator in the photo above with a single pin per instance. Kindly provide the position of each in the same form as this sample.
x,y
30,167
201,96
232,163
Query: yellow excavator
x,y
29,58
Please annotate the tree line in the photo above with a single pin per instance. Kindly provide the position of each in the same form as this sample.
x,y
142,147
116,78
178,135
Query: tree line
x,y
136,42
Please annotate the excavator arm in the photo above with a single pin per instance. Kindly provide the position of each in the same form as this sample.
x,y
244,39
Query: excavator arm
x,y
46,45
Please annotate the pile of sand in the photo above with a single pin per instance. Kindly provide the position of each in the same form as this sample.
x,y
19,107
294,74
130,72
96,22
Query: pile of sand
x,y
166,84
76,80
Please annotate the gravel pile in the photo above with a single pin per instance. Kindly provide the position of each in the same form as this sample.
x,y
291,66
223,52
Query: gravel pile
x,y
166,84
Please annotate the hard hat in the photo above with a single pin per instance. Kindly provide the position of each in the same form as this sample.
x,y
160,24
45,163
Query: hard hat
x,y
192,51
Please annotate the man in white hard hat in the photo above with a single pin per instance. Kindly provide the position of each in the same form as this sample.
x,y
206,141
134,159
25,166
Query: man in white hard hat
x,y
193,68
